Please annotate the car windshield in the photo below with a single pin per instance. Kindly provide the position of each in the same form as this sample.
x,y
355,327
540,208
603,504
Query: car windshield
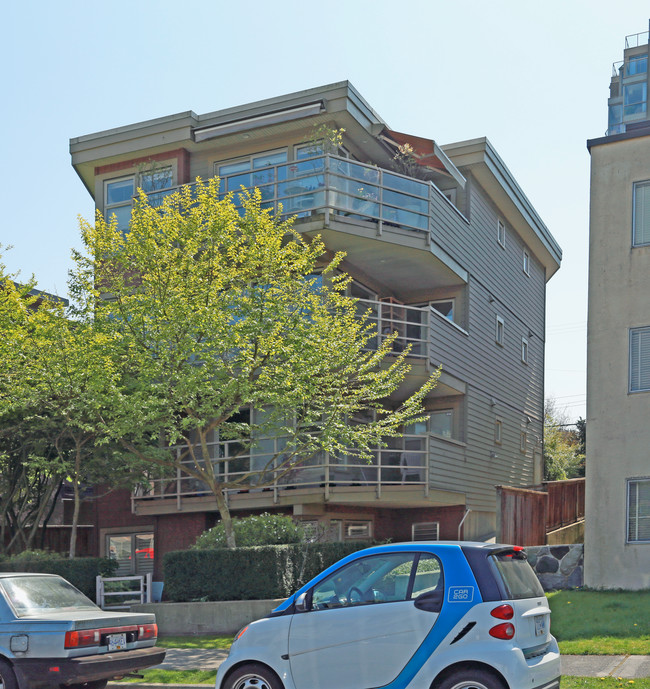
x,y
517,575
36,595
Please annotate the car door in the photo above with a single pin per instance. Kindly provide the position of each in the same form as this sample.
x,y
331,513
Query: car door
x,y
364,622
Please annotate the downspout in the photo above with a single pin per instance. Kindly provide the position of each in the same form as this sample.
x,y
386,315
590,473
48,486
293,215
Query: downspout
x,y
462,521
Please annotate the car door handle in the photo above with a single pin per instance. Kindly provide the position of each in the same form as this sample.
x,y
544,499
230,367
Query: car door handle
x,y
431,601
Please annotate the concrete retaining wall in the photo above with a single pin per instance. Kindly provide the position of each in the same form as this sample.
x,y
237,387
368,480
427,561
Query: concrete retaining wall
x,y
218,617
558,566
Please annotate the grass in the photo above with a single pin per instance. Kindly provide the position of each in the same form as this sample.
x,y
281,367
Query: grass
x,y
604,683
203,642
601,622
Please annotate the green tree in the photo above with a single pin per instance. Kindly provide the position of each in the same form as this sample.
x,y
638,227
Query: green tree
x,y
58,386
214,311
563,455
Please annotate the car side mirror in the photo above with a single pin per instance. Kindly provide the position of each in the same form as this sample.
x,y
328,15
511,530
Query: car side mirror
x,y
301,603
431,601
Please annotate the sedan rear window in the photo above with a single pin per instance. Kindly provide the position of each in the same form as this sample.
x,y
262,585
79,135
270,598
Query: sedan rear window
x,y
517,575
36,595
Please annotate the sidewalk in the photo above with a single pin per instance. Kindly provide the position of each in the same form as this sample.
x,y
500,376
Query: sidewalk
x,y
627,667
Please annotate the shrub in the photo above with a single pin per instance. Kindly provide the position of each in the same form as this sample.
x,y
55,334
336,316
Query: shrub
x,y
261,529
253,573
79,571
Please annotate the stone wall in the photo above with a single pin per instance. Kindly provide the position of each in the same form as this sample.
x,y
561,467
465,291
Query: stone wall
x,y
558,566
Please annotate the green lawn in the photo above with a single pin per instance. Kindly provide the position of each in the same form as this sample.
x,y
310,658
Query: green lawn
x,y
601,622
209,641
154,676
604,683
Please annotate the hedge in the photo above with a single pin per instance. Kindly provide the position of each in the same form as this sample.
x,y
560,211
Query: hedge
x,y
80,571
255,573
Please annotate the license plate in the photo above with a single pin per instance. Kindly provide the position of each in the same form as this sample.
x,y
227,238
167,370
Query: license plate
x,y
540,625
116,642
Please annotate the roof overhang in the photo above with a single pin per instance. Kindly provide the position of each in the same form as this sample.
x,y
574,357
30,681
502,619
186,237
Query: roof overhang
x,y
480,158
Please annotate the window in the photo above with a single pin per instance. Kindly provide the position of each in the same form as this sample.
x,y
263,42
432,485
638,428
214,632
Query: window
x,y
357,530
498,431
445,307
524,350
387,578
641,214
425,531
441,422
118,198
526,263
499,335
638,511
637,64
134,553
634,98
523,442
254,171
639,359
501,233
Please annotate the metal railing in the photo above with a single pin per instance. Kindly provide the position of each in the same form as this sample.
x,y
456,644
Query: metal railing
x,y
634,40
403,464
346,188
409,323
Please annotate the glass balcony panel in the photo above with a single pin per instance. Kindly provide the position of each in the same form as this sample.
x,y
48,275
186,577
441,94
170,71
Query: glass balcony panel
x,y
156,198
354,206
362,173
410,186
411,203
302,168
303,185
302,205
399,216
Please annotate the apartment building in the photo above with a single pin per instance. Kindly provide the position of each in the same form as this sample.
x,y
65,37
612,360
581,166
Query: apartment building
x,y
448,252
617,531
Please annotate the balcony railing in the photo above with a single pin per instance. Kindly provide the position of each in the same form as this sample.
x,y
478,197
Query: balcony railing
x,y
404,462
346,188
409,323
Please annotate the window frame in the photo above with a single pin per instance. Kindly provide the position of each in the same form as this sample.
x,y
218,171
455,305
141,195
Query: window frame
x,y
526,263
524,350
109,208
500,331
498,431
630,482
631,387
501,233
643,184
523,442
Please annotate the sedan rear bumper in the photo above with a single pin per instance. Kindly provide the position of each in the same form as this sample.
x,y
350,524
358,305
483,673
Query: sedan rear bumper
x,y
51,672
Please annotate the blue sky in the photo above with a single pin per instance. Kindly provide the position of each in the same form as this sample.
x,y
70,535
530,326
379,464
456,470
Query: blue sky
x,y
531,76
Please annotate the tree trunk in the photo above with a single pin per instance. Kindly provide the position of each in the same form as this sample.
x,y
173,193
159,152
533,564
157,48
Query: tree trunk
x,y
77,501
226,519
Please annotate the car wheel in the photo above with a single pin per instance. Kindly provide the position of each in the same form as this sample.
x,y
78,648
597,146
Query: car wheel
x,y
471,679
253,676
7,676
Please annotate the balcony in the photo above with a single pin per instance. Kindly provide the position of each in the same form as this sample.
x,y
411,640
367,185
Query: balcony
x,y
403,463
340,186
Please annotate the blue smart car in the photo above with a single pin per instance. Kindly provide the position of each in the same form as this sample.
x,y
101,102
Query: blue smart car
x,y
418,615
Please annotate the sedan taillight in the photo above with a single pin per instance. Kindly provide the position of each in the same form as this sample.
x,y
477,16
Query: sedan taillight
x,y
147,631
84,637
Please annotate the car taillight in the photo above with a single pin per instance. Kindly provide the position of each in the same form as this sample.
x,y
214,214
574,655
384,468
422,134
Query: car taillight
x,y
503,612
147,631
81,638
503,631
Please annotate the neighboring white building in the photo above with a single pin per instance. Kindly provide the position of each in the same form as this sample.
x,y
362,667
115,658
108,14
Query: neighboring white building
x,y
617,533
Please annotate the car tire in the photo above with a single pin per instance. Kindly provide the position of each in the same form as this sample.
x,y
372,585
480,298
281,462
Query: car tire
x,y
7,676
252,676
471,679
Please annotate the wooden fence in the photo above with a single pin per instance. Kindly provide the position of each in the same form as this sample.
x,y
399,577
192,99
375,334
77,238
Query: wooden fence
x,y
526,515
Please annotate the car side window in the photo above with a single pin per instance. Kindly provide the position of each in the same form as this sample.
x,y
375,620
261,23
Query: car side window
x,y
374,579
428,575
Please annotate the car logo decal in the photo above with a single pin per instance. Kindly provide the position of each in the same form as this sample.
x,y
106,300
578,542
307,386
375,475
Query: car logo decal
x,y
460,594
